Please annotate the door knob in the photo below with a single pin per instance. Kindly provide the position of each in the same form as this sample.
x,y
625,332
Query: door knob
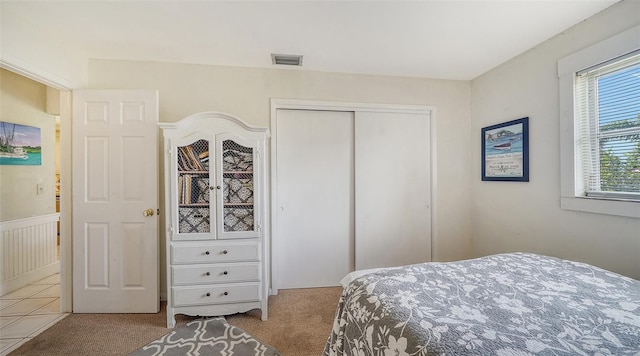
x,y
148,212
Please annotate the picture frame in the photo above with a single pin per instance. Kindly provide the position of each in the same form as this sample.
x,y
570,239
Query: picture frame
x,y
505,151
20,145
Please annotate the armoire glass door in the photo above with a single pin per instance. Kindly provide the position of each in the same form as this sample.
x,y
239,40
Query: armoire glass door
x,y
193,188
237,203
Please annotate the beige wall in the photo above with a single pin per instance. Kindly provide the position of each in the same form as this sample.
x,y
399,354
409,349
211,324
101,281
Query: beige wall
x,y
510,216
22,101
246,93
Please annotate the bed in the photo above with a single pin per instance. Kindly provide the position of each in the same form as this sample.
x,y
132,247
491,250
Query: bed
x,y
508,304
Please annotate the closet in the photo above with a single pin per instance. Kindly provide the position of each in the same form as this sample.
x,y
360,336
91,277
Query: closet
x,y
352,190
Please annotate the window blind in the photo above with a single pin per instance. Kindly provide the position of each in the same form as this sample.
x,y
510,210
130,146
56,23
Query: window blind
x,y
607,100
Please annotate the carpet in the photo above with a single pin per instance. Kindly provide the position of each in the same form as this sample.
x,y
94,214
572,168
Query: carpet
x,y
211,336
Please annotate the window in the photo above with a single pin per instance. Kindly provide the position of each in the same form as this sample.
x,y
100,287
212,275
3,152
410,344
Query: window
x,y
600,127
607,117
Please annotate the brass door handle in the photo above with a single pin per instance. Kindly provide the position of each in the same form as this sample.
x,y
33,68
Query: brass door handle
x,y
148,212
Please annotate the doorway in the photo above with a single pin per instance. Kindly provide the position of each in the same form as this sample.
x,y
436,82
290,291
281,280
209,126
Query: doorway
x,y
38,104
65,202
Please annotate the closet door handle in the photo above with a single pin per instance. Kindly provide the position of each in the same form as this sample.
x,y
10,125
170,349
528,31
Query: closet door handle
x,y
225,252
225,273
208,273
206,252
208,294
226,293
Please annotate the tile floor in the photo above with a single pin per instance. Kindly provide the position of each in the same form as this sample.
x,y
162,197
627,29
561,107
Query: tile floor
x,y
28,311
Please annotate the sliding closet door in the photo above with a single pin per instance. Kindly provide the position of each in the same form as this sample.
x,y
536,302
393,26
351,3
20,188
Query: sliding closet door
x,y
392,189
314,197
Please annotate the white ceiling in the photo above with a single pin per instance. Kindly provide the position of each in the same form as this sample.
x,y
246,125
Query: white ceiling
x,y
430,39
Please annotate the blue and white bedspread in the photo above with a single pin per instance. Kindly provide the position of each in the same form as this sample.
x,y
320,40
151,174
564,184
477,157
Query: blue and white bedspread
x,y
510,304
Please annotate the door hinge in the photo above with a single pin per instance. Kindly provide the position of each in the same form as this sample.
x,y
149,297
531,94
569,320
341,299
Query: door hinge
x,y
171,229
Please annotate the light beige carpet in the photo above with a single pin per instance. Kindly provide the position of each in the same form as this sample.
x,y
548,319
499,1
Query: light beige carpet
x,y
300,321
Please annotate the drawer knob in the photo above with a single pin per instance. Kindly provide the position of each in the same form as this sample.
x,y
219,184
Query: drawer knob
x,y
226,293
206,252
225,252
208,273
208,294
225,272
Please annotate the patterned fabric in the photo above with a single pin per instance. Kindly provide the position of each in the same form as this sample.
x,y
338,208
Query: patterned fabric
x,y
211,337
511,304
201,190
237,165
236,157
193,220
238,190
238,219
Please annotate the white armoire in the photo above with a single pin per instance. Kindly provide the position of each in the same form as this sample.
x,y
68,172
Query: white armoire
x,y
351,189
217,206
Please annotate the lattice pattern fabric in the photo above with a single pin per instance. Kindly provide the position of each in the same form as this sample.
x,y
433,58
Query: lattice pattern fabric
x,y
238,219
238,190
201,193
236,157
193,220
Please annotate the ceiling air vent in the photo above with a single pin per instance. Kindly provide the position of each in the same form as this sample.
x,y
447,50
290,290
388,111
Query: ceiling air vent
x,y
286,59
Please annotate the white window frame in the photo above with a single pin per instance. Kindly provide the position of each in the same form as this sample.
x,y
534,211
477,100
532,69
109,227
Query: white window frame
x,y
572,187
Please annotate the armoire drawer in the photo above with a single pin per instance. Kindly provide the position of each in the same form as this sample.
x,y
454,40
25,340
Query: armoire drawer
x,y
207,252
215,294
215,273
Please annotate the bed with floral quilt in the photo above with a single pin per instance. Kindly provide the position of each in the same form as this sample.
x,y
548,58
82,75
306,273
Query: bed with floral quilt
x,y
507,304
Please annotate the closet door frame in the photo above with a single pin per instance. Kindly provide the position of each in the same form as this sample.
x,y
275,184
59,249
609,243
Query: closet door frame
x,y
318,105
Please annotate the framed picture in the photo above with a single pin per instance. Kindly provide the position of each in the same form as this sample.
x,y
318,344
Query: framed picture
x,y
505,151
20,145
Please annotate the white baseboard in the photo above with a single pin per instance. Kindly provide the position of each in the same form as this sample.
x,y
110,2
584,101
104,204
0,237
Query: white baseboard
x,y
25,279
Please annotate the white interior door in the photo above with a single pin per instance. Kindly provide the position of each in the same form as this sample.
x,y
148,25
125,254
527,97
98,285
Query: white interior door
x,y
392,189
314,183
115,246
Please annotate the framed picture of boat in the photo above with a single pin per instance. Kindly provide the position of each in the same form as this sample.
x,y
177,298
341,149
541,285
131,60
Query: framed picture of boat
x,y
505,151
20,145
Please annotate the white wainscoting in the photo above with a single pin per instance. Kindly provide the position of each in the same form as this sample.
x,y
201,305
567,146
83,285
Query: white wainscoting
x,y
28,248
